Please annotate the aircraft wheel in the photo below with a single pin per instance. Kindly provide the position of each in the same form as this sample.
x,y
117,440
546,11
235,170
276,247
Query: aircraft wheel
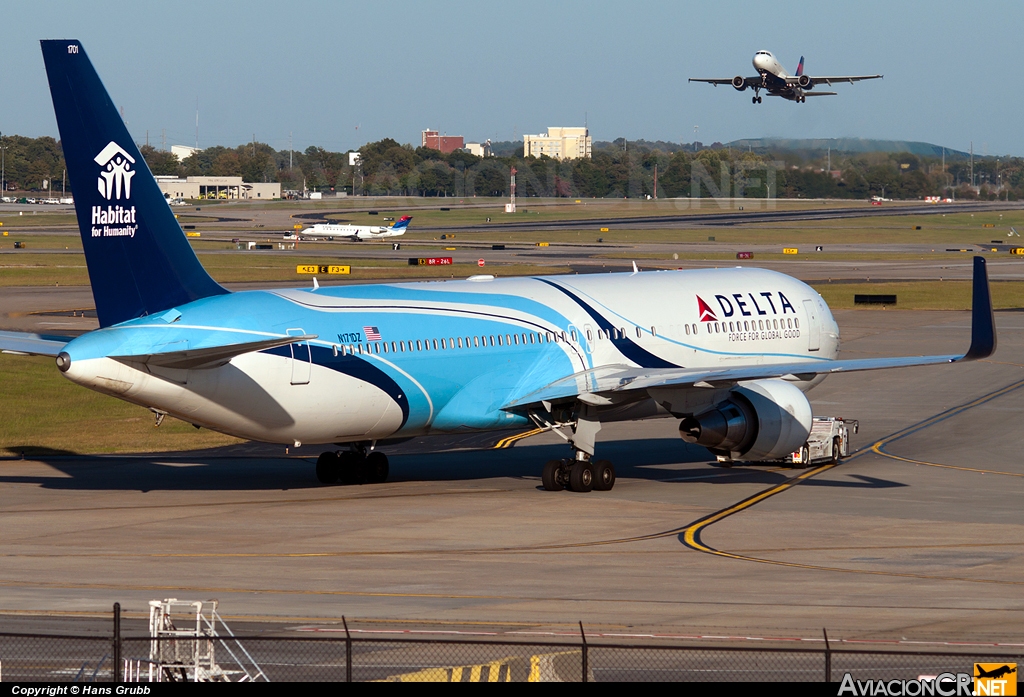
x,y
328,467
753,100
351,467
581,477
604,475
759,100
552,477
376,468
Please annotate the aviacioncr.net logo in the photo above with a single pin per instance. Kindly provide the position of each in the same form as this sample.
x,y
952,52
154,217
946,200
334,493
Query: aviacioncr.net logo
x,y
116,173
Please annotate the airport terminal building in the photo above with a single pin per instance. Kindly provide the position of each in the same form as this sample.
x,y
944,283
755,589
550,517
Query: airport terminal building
x,y
232,188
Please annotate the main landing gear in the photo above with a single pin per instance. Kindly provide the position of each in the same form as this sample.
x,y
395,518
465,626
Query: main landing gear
x,y
581,472
352,467
578,475
755,100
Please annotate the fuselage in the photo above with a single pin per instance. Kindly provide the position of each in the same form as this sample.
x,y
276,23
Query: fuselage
x,y
399,360
353,232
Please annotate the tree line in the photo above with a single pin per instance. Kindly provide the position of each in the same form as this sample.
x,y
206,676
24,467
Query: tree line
x,y
618,169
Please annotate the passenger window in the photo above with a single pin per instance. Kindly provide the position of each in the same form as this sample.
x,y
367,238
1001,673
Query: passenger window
x,y
760,325
385,347
730,327
443,344
435,344
499,340
451,342
573,332
376,348
492,339
687,330
524,339
515,339
654,332
590,336
638,334
508,340
476,341
796,322
460,342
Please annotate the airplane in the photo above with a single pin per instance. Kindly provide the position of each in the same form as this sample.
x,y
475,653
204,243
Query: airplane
x,y
358,233
994,673
729,353
773,79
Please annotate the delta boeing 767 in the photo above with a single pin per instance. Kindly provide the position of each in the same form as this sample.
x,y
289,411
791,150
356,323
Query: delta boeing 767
x,y
729,353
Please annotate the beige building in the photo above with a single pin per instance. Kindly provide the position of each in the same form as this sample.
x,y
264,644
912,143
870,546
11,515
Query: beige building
x,y
217,188
560,143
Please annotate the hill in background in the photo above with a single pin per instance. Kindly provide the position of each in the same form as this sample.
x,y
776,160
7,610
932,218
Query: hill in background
x,y
847,145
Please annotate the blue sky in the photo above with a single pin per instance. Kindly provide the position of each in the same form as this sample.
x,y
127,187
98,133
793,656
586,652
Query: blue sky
x,y
339,74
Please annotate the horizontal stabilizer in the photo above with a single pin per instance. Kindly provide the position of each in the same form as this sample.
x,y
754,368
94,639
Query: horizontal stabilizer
x,y
32,344
198,359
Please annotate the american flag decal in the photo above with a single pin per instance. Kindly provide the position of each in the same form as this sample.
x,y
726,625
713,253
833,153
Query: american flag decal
x,y
372,334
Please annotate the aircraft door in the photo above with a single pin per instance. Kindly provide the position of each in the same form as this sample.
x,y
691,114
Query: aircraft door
x,y
813,326
301,359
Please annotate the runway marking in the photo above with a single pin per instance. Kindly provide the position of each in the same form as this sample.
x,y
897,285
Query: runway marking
x,y
691,534
512,440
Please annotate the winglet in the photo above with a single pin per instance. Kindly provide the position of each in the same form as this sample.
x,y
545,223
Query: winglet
x,y
983,323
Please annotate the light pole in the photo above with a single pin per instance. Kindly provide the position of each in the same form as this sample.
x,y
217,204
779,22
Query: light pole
x,y
3,164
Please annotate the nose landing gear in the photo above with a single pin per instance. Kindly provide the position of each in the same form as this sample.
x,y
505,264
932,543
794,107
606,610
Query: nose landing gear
x,y
352,467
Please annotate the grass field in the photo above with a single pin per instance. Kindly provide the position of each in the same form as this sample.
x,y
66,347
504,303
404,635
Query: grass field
x,y
42,412
923,295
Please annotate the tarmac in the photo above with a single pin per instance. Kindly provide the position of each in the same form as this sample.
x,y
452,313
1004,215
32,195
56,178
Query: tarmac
x,y
917,538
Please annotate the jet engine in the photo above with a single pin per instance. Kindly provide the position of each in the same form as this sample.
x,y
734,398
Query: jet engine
x,y
739,83
762,420
804,81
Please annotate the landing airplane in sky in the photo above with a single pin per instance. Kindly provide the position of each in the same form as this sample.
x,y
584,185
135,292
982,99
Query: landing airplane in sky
x,y
773,79
728,352
357,232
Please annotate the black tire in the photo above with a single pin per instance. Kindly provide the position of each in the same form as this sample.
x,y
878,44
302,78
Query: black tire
x,y
835,451
351,467
376,468
805,455
604,475
581,477
551,477
328,468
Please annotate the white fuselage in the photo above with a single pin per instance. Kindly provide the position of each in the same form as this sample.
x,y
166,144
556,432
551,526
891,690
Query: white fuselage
x,y
450,355
353,232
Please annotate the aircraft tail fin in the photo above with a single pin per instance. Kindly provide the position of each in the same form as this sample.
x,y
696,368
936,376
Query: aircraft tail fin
x,y
402,223
139,260
800,67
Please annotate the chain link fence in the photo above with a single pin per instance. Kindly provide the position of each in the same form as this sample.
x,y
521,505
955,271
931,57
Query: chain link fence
x,y
48,658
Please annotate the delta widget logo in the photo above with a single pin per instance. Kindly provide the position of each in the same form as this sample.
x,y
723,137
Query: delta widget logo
x,y
706,313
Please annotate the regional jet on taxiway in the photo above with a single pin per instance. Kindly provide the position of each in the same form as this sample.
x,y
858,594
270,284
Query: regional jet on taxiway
x,y
773,79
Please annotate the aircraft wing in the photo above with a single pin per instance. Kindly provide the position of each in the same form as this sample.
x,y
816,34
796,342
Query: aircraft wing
x,y
835,78
612,384
819,94
32,344
716,81
197,359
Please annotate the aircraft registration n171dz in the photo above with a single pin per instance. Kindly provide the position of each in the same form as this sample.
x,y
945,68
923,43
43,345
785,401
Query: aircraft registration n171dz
x,y
730,353
358,233
773,79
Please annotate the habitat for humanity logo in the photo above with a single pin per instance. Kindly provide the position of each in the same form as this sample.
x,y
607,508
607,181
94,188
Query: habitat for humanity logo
x,y
114,181
116,174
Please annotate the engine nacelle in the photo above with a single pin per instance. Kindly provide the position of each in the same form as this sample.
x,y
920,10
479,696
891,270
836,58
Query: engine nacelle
x,y
805,82
739,83
763,420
